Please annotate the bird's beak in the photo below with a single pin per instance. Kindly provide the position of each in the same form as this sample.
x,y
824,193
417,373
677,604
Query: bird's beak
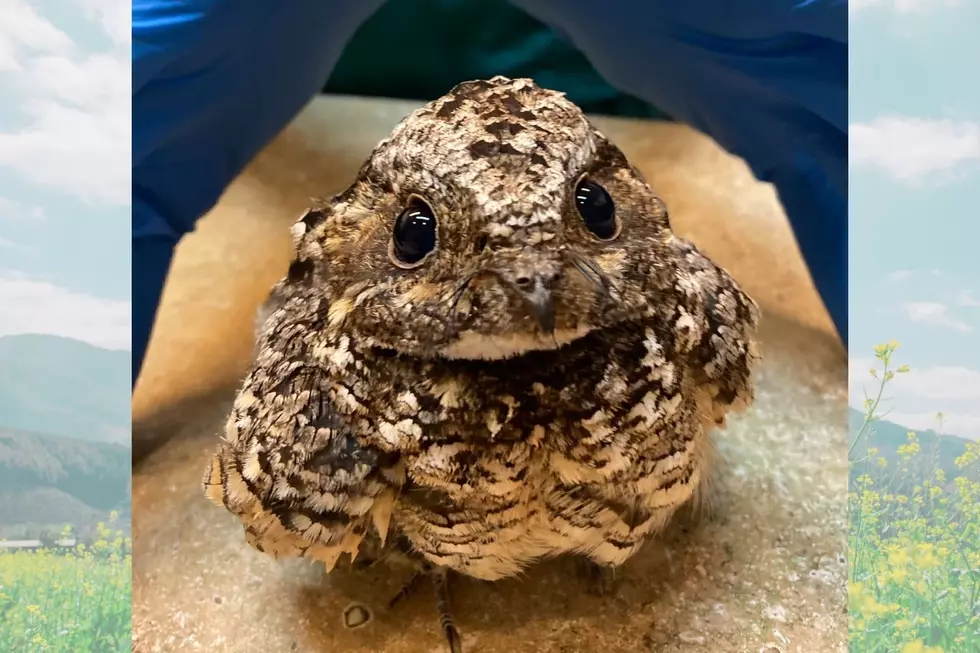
x,y
535,282
541,304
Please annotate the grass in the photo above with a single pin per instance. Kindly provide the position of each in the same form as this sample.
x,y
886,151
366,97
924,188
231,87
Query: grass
x,y
914,554
68,602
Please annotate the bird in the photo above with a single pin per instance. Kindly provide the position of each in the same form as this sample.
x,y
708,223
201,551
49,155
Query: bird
x,y
489,350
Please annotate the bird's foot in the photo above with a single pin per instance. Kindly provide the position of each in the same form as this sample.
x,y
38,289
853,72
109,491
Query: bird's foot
x,y
600,580
440,578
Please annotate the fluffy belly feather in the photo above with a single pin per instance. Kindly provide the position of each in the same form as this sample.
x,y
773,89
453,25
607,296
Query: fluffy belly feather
x,y
520,503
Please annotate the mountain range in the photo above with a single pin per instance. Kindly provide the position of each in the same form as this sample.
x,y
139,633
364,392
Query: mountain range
x,y
60,386
941,450
65,454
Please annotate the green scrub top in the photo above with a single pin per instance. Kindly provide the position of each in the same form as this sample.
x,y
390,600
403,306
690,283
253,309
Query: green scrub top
x,y
419,49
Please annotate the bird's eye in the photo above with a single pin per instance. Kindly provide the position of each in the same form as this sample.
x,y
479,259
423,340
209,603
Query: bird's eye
x,y
597,209
414,235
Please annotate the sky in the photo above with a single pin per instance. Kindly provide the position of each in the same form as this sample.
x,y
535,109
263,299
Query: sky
x,y
915,205
65,169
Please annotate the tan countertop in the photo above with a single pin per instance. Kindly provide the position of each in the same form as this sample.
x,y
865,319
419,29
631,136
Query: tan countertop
x,y
766,568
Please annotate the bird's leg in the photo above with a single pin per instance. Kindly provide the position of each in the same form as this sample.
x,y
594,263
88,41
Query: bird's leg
x,y
370,553
440,577
402,550
363,562
600,579
407,588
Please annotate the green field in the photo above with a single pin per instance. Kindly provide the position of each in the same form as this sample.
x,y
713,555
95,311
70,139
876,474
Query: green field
x,y
73,602
914,541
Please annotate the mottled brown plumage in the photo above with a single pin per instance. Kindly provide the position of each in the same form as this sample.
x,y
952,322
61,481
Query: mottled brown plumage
x,y
434,403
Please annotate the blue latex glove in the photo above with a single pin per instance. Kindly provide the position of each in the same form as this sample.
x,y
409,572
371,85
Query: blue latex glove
x,y
215,80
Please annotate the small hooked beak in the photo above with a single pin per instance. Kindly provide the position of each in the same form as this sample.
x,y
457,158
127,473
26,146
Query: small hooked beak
x,y
541,304
537,290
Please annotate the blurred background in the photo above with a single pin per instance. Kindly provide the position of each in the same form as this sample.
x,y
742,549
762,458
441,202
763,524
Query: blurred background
x,y
500,40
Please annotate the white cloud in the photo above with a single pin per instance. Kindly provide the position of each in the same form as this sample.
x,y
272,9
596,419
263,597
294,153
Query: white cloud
x,y
903,6
115,16
75,133
11,210
967,299
22,30
28,305
948,382
964,425
899,276
914,150
4,243
913,399
935,314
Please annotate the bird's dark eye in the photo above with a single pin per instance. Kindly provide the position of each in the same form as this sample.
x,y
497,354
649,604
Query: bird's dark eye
x,y
596,208
414,235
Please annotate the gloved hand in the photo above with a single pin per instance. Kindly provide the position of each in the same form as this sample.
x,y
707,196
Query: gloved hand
x,y
215,80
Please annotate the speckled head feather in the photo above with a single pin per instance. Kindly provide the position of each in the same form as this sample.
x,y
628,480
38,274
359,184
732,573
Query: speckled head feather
x,y
498,162
438,401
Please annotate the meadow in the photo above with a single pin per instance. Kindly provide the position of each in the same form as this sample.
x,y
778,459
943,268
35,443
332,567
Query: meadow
x,y
68,602
914,540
